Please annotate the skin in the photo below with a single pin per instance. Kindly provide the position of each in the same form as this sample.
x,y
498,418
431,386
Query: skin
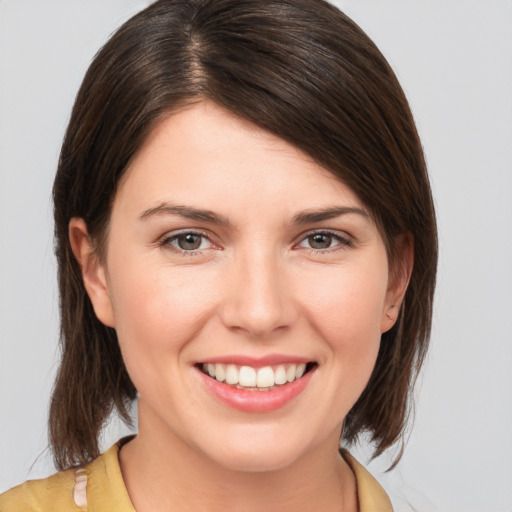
x,y
255,287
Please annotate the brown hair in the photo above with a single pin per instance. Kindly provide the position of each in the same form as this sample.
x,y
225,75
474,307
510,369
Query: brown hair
x,y
298,68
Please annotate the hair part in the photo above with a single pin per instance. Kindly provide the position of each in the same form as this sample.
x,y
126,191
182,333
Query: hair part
x,y
300,69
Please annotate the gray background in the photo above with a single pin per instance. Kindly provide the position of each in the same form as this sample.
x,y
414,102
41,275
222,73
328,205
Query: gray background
x,y
454,59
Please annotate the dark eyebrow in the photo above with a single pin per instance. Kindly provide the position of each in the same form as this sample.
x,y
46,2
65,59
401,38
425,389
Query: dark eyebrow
x,y
184,211
311,216
306,217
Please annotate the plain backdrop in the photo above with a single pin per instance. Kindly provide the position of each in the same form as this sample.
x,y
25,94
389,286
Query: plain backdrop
x,y
454,60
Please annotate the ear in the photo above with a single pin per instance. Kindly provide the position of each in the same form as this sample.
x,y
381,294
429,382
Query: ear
x,y
93,272
399,276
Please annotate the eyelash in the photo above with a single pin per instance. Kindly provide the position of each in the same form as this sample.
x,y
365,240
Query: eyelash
x,y
343,241
166,242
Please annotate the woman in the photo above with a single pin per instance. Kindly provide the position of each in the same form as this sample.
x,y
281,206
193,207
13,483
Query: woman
x,y
246,242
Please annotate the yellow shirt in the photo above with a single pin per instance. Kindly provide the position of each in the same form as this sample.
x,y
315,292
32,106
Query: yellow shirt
x,y
99,487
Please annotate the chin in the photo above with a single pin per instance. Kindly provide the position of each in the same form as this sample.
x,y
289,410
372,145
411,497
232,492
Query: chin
x,y
256,462
256,452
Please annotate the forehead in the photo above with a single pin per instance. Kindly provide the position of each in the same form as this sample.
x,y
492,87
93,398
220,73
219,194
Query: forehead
x,y
207,155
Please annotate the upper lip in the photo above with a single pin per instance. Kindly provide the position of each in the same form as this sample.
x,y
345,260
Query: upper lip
x,y
256,362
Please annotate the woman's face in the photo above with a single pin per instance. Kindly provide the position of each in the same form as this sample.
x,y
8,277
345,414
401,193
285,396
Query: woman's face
x,y
233,257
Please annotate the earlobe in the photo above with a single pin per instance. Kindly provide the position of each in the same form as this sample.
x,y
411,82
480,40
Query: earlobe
x,y
93,271
400,275
389,317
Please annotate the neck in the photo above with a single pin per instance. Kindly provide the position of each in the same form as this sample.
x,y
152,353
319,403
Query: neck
x,y
163,473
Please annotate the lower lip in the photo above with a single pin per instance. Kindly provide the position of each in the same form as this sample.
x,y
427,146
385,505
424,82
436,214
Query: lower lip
x,y
256,401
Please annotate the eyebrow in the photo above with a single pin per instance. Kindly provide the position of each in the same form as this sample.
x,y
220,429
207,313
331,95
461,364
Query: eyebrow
x,y
184,211
305,217
312,216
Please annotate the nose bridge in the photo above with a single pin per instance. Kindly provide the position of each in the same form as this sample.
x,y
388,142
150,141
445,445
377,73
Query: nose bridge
x,y
257,300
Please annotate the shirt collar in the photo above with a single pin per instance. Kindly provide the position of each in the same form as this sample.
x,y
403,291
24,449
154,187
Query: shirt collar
x,y
106,489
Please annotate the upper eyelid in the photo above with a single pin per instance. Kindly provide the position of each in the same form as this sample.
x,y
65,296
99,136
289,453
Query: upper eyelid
x,y
173,235
186,231
343,235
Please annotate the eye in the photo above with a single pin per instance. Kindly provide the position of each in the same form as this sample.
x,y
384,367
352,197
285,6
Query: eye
x,y
323,240
188,241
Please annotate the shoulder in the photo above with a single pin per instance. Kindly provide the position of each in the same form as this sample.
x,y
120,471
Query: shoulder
x,y
54,493
97,486
372,497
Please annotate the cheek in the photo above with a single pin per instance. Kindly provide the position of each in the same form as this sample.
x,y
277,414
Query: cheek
x,y
346,311
348,304
158,311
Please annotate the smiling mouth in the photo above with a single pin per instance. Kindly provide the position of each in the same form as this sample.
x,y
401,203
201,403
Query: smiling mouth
x,y
266,378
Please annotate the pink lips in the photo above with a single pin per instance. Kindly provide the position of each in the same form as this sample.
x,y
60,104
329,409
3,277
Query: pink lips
x,y
256,401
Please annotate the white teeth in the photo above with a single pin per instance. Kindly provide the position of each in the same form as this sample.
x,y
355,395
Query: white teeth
x,y
220,372
280,375
232,374
249,378
299,372
265,377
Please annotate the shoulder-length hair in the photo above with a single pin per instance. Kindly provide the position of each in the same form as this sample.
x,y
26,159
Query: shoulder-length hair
x,y
305,72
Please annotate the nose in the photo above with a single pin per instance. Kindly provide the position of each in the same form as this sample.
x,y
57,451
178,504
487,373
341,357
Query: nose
x,y
258,300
